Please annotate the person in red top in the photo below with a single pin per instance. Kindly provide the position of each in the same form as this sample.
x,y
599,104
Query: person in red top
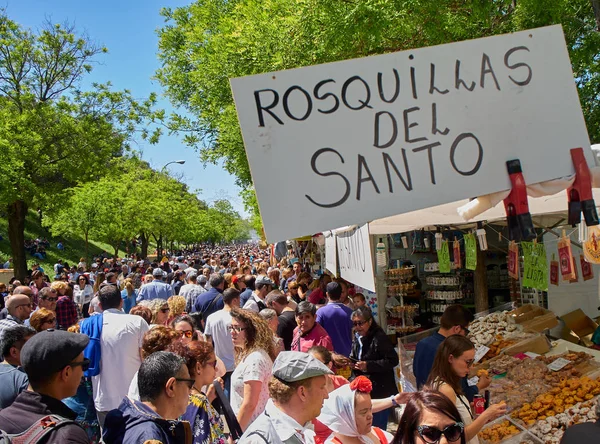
x,y
309,333
319,295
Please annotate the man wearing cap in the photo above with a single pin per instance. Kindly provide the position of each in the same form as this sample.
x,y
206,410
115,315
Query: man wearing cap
x,y
54,363
157,289
191,290
336,319
263,286
298,388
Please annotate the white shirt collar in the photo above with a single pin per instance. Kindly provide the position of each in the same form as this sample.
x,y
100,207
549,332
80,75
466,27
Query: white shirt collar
x,y
286,426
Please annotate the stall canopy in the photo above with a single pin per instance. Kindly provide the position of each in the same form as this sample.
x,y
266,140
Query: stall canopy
x,y
548,210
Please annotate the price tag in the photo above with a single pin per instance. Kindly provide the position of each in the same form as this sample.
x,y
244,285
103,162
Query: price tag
x,y
558,364
532,355
480,352
473,381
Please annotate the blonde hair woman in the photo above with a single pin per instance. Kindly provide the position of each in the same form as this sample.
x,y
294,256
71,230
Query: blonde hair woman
x,y
129,295
254,354
176,306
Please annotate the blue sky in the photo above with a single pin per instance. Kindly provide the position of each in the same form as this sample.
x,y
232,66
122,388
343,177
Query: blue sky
x,y
128,29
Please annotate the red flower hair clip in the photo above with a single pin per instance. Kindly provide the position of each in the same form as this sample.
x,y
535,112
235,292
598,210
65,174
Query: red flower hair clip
x,y
361,384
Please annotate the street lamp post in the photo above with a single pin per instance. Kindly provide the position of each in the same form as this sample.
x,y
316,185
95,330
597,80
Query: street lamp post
x,y
180,162
159,249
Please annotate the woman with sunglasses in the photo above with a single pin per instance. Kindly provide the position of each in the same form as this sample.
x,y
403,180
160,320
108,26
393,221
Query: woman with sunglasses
x,y
207,424
452,362
160,312
83,293
430,418
373,356
185,325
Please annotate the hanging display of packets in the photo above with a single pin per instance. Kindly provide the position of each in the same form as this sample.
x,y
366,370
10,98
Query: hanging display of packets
x,y
591,247
535,267
586,269
565,257
456,254
470,252
554,270
513,260
444,257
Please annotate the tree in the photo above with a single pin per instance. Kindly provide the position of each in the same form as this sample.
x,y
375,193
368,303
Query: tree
x,y
205,44
53,135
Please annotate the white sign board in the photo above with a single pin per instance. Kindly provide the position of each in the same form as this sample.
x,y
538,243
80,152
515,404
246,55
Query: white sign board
x,y
354,256
358,140
331,253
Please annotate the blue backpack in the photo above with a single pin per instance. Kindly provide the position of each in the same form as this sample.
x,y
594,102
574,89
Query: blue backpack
x,y
92,327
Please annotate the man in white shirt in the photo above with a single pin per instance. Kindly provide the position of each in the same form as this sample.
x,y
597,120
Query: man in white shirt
x,y
217,330
120,343
263,286
288,418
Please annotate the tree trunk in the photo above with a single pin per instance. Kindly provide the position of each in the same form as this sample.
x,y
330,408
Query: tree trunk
x,y
480,281
144,245
87,248
17,211
596,8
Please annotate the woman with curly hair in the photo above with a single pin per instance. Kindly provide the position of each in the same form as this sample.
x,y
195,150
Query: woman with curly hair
x,y
157,339
254,354
207,424
176,306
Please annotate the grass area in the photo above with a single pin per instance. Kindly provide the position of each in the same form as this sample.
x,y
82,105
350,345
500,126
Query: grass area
x,y
74,246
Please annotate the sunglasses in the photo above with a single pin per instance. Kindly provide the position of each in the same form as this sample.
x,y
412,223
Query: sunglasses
x,y
190,382
187,333
85,364
237,329
358,323
50,299
432,435
165,310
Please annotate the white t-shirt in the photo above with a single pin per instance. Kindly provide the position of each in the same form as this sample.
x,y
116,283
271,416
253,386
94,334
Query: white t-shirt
x,y
121,340
256,366
217,327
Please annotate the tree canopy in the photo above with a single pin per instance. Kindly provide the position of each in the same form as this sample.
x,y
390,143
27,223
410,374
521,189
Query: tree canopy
x,y
133,200
205,44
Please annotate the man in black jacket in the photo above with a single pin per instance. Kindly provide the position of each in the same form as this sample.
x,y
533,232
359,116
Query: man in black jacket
x,y
54,363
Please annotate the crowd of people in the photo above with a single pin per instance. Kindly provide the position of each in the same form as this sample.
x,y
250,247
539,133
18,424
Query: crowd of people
x,y
219,346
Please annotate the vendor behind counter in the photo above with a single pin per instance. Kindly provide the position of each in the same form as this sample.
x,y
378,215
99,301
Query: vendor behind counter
x,y
454,321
